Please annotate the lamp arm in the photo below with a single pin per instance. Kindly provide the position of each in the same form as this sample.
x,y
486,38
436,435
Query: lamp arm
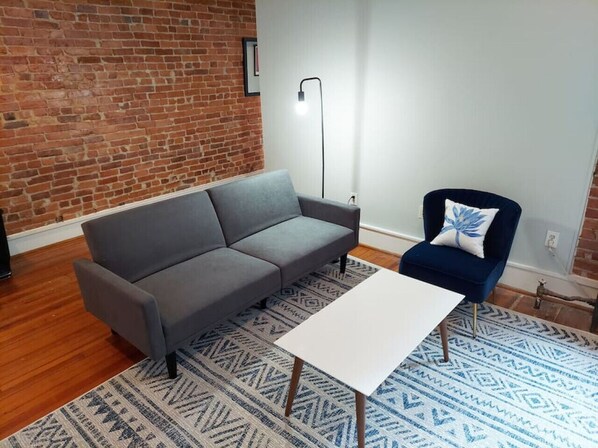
x,y
313,78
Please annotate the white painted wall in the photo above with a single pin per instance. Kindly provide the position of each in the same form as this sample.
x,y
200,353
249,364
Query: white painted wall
x,y
300,39
500,96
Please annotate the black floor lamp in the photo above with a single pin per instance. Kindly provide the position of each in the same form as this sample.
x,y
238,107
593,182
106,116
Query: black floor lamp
x,y
302,109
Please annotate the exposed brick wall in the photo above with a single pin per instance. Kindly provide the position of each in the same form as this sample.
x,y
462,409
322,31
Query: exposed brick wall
x,y
109,102
586,258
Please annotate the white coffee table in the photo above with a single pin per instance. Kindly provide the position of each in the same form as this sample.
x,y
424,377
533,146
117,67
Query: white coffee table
x,y
363,336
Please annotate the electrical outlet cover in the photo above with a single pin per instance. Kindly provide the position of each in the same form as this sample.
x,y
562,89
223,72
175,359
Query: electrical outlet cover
x,y
552,239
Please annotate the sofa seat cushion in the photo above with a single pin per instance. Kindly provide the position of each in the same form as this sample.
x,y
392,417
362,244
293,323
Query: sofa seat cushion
x,y
197,293
452,269
298,246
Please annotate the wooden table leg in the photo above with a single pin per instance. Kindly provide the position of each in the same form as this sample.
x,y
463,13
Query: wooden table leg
x,y
294,383
444,337
360,411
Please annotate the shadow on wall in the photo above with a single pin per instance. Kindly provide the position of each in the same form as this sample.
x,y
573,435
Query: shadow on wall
x,y
362,42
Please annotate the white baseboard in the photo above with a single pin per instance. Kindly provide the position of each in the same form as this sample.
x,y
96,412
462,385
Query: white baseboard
x,y
54,233
516,275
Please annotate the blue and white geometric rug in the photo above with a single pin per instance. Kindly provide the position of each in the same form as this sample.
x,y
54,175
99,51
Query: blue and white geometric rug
x,y
523,382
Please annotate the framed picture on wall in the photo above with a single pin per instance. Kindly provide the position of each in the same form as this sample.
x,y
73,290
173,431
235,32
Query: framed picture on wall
x,y
251,66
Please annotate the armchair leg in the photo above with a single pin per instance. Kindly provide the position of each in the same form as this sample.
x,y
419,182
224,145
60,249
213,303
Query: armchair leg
x,y
263,303
343,263
475,319
171,365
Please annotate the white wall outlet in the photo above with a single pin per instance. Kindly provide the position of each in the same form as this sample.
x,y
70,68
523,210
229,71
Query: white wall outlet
x,y
552,239
420,212
353,198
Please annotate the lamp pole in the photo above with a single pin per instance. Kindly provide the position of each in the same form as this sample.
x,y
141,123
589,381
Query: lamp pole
x,y
301,98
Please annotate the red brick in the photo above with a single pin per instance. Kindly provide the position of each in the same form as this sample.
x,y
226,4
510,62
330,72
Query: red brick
x,y
585,262
159,107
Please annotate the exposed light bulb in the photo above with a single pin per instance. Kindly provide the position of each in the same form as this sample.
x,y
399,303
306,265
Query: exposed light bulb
x,y
301,107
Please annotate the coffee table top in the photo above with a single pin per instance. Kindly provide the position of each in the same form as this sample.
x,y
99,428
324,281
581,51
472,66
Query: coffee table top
x,y
363,336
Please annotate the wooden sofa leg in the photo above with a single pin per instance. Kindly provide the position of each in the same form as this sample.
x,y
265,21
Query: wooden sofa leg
x,y
263,303
171,365
475,320
343,263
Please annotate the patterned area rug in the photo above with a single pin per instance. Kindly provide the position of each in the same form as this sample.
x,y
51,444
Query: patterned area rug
x,y
522,383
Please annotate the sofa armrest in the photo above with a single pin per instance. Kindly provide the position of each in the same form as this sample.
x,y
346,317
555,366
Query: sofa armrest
x,y
331,211
127,309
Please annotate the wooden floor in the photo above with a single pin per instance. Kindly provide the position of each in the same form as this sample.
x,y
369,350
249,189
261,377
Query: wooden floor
x,y
52,351
519,301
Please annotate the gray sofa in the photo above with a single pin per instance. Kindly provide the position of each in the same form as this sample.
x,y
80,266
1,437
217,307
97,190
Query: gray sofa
x,y
165,273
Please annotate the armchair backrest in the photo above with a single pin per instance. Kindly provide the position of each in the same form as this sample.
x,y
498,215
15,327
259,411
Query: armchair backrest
x,y
499,237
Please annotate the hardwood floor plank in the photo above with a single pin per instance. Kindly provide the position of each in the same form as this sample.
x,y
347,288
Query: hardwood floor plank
x,y
52,350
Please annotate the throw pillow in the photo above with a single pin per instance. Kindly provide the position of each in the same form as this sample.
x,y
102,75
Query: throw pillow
x,y
465,227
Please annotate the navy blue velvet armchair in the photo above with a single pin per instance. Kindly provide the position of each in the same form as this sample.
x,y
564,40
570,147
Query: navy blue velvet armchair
x,y
455,269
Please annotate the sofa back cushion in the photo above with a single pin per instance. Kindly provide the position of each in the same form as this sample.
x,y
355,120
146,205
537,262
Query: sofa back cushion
x,y
247,206
138,242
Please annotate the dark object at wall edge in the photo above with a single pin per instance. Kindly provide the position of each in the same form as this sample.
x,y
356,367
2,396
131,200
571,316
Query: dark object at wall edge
x,y
4,252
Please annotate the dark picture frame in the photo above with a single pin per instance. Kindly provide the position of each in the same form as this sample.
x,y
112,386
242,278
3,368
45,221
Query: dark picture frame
x,y
256,61
251,73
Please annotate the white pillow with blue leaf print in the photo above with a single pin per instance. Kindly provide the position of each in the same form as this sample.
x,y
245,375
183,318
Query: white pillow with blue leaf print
x,y
465,227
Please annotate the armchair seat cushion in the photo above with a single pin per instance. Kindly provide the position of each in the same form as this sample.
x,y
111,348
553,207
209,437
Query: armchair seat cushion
x,y
199,292
452,269
291,245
